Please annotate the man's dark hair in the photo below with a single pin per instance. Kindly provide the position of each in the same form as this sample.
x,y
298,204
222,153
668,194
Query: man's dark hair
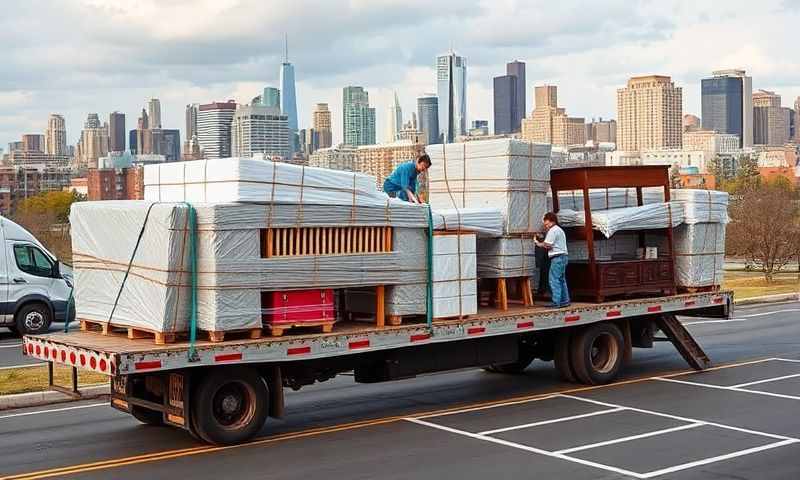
x,y
551,217
424,158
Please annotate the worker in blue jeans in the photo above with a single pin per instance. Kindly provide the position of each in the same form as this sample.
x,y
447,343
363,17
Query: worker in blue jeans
x,y
555,242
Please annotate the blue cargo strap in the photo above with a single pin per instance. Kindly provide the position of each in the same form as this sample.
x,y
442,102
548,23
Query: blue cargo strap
x,y
192,355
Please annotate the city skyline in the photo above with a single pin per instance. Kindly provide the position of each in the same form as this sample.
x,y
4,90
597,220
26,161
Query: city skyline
x,y
588,68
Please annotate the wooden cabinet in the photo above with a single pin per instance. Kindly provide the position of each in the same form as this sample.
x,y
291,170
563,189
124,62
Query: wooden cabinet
x,y
621,277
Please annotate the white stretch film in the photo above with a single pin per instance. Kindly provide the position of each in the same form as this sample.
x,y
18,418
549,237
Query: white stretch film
x,y
654,215
703,206
454,275
487,222
506,257
506,174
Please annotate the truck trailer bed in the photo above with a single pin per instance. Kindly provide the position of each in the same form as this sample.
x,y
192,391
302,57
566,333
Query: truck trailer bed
x,y
114,354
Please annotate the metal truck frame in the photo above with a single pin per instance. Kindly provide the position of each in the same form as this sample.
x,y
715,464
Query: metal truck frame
x,y
224,392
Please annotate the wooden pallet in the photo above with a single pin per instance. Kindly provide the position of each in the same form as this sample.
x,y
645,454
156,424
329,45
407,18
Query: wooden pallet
x,y
219,336
499,297
278,330
305,241
709,288
161,338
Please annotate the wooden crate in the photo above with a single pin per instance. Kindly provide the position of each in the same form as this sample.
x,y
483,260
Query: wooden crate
x,y
305,241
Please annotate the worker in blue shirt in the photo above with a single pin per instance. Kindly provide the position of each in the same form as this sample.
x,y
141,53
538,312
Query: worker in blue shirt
x,y
402,183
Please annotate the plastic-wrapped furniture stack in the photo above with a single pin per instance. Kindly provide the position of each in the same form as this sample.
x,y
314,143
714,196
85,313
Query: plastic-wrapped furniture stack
x,y
455,283
700,241
608,222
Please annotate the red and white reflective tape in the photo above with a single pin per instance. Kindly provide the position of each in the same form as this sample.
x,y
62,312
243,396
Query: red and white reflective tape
x,y
354,345
70,356
525,324
476,330
571,318
298,350
419,337
227,357
654,308
613,313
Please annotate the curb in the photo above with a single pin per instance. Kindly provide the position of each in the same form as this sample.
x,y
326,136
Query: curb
x,y
781,297
48,397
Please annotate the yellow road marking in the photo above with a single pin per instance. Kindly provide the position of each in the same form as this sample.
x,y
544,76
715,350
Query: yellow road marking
x,y
177,453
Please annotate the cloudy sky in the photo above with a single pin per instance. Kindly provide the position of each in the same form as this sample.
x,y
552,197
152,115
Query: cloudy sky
x,y
78,56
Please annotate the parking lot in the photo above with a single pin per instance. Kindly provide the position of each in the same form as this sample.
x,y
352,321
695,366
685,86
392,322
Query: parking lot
x,y
710,421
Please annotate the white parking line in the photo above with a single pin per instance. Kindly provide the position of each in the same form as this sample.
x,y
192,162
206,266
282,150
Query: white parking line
x,y
52,410
13,345
548,422
24,365
791,360
706,461
742,318
485,407
683,419
526,448
730,389
632,437
767,380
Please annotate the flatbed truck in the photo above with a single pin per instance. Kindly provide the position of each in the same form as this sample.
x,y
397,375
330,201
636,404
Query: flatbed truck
x,y
223,392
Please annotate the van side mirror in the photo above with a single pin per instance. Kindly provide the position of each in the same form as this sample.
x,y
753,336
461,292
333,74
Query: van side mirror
x,y
56,271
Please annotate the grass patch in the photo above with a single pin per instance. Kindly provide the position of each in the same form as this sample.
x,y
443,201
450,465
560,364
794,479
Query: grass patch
x,y
752,284
34,379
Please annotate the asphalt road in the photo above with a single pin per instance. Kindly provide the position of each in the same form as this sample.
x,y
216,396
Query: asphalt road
x,y
715,424
11,348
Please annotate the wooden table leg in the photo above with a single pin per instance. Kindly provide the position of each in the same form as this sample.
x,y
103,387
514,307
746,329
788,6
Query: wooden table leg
x,y
380,305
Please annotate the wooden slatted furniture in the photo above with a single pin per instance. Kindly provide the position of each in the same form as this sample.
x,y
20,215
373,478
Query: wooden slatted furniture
x,y
598,279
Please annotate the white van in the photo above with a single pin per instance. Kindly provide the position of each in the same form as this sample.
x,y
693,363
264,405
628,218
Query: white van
x,y
33,289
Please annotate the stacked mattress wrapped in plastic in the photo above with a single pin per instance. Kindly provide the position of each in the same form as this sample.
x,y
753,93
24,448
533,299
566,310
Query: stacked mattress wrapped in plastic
x,y
232,270
506,174
486,222
606,198
455,282
648,216
506,257
700,242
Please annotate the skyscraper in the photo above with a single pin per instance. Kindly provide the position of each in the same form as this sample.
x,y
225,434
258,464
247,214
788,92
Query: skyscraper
x,y
649,114
93,143
769,119
428,115
116,132
214,128
509,99
55,139
359,118
154,113
394,120
260,129
271,97
322,125
170,145
191,121
451,88
727,104
33,142
550,124
287,95
797,119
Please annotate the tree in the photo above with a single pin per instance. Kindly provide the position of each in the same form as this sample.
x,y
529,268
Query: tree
x,y
747,175
46,216
764,225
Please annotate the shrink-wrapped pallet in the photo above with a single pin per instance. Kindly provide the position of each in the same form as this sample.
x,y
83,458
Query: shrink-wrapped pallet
x,y
606,198
699,254
251,180
702,206
486,222
507,174
650,216
506,257
455,283
232,268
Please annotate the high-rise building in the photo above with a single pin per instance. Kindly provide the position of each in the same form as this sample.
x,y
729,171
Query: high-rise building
x,y
55,139
727,104
451,88
796,137
257,129
214,128
509,99
359,118
769,119
271,97
116,132
140,140
322,125
550,124
649,114
287,94
394,120
170,145
601,131
93,143
33,142
309,141
428,115
691,123
154,112
191,121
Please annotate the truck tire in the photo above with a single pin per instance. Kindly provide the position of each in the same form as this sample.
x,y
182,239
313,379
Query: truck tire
x,y
33,318
525,359
596,353
147,416
230,405
561,357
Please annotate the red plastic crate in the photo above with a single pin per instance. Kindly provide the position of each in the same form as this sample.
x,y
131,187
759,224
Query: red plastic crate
x,y
297,307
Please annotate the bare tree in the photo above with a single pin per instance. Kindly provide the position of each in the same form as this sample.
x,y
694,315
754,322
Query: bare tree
x,y
764,225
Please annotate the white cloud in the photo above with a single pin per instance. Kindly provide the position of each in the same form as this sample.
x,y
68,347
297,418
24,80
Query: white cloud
x,y
79,56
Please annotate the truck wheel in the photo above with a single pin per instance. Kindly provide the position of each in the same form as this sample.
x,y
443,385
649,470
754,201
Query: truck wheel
x,y
230,405
596,353
147,416
561,357
33,319
519,366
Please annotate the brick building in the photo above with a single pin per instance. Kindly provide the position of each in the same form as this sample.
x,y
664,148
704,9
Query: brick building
x,y
116,183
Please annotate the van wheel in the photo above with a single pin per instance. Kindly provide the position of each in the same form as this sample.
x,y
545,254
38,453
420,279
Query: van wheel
x,y
33,319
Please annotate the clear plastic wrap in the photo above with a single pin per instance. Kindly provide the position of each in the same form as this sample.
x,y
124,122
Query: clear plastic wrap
x,y
650,216
506,257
